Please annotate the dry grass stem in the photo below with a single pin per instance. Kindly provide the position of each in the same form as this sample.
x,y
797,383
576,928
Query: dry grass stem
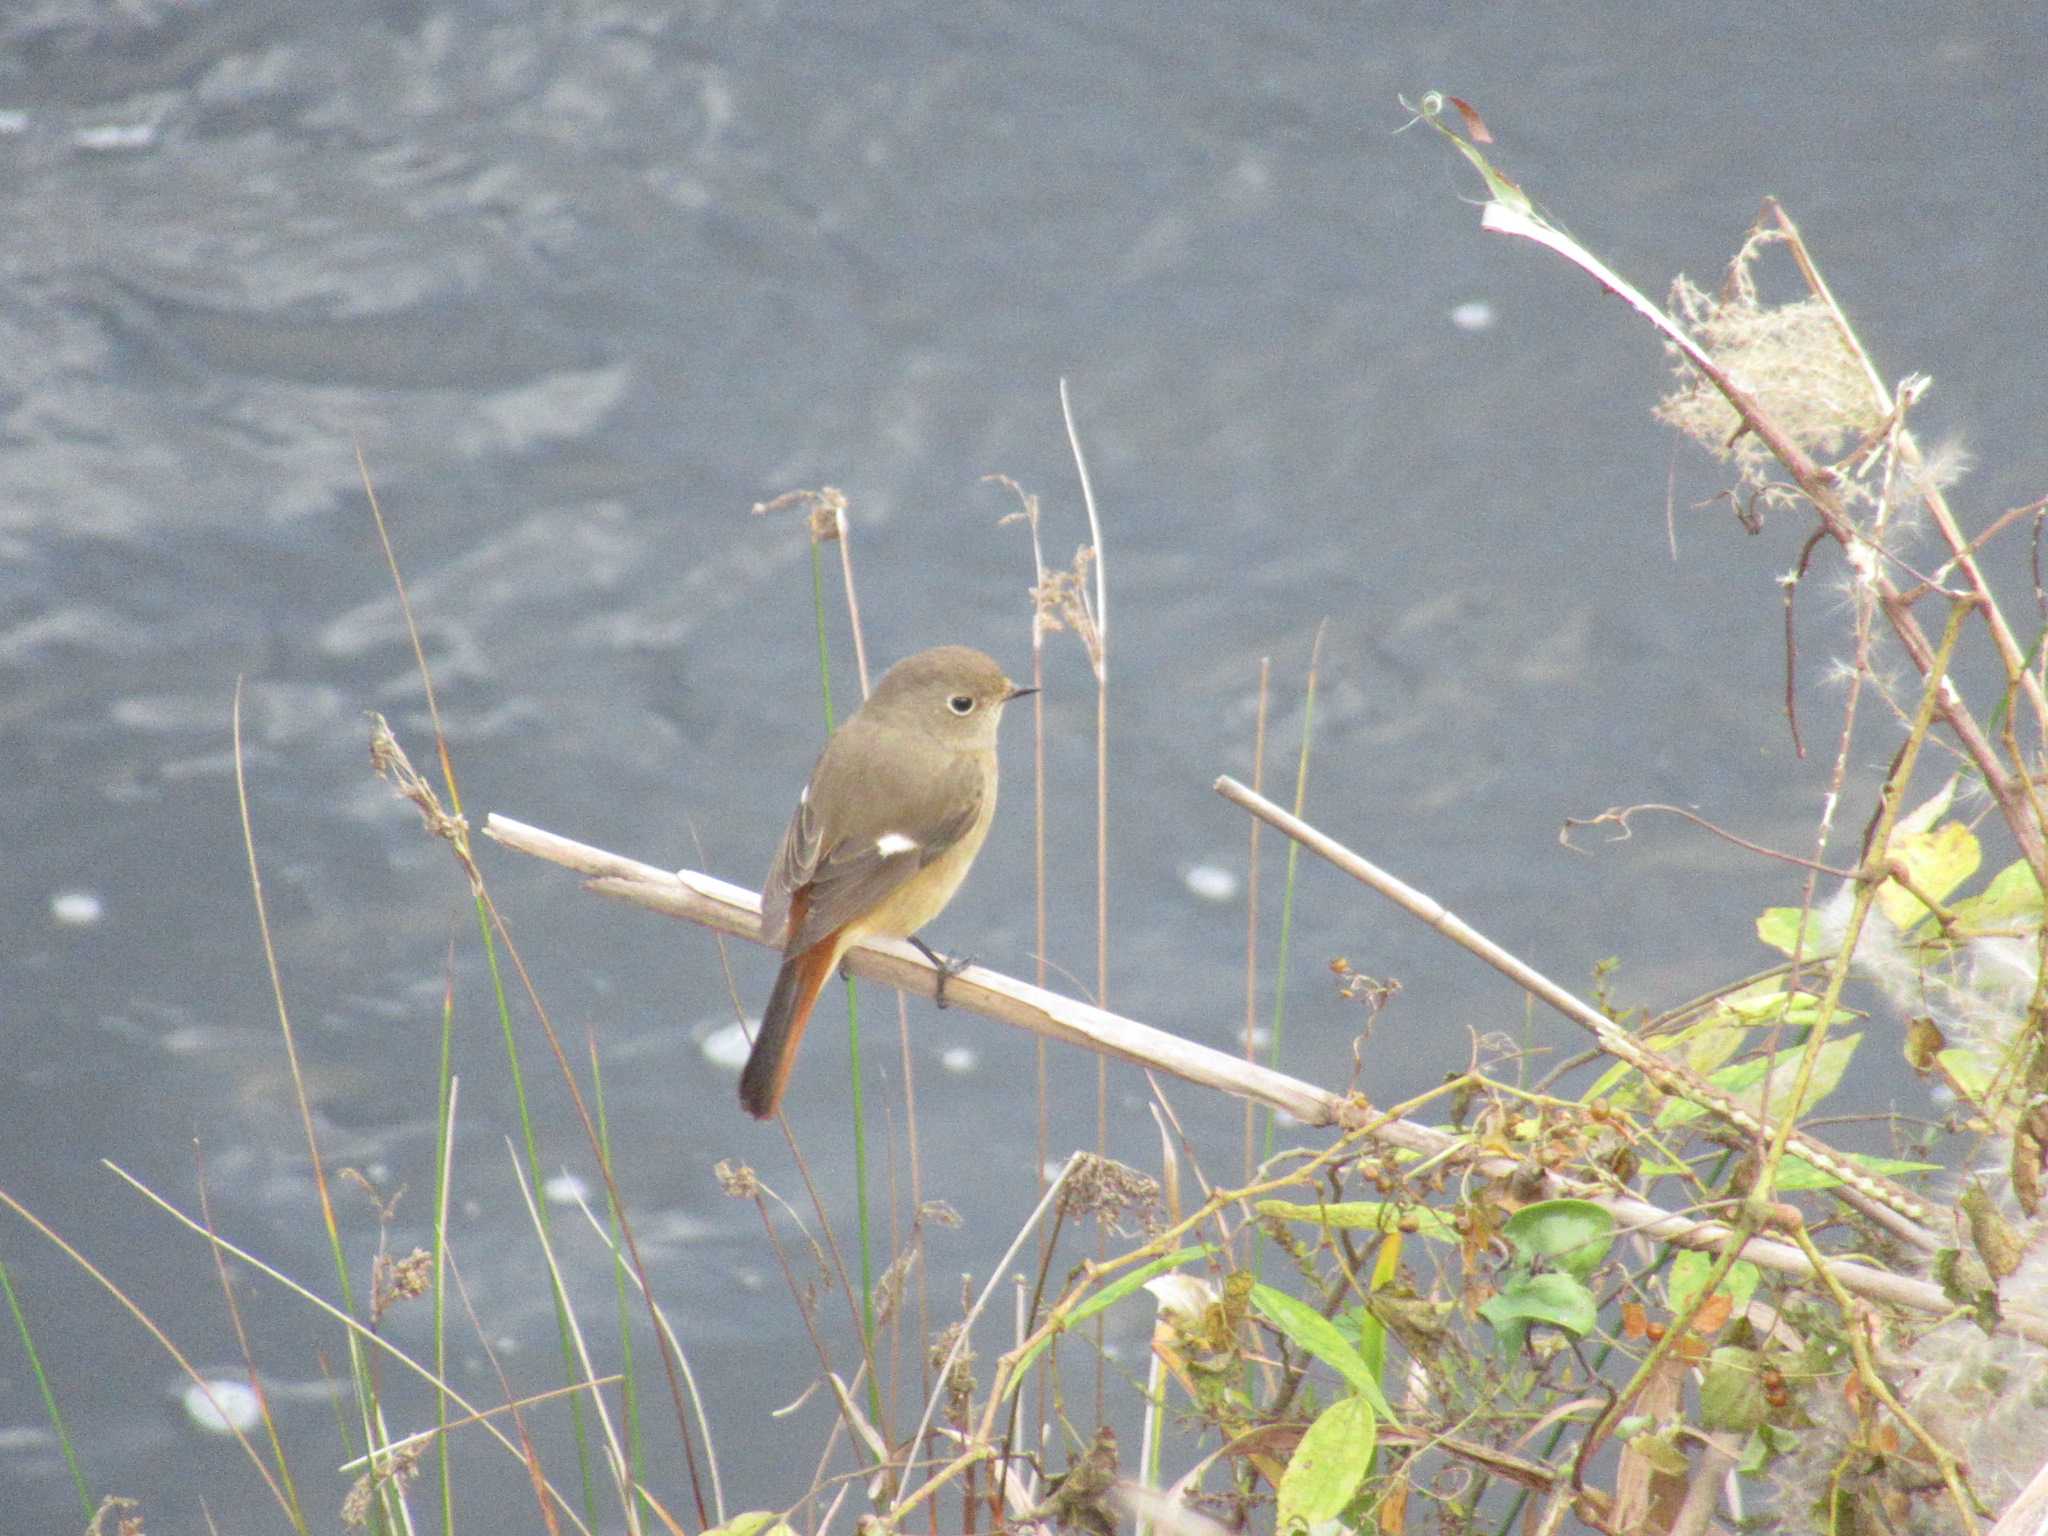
x,y
1671,1076
615,1451
377,1341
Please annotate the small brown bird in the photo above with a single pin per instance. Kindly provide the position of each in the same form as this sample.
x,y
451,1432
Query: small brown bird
x,y
884,832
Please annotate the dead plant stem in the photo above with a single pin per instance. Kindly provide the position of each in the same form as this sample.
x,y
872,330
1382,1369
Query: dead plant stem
x,y
1670,1076
735,910
1251,909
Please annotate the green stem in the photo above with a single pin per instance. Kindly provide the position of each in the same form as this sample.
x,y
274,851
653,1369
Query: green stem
x,y
860,1138
443,1173
56,1414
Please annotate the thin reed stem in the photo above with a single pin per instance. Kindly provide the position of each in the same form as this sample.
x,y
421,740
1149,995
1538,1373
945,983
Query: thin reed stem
x,y
863,1208
1283,960
234,1311
530,1136
1251,909
1041,597
629,1392
444,1184
1098,653
359,1372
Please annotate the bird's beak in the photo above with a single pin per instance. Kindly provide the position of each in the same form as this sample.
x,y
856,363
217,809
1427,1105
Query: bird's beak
x,y
1017,693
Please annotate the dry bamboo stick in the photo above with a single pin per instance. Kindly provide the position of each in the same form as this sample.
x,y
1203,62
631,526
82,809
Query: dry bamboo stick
x,y
735,910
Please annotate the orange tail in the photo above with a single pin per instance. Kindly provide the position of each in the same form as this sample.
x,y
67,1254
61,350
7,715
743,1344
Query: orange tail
x,y
797,986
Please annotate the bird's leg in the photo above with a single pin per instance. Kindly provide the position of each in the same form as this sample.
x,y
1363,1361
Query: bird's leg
x,y
949,966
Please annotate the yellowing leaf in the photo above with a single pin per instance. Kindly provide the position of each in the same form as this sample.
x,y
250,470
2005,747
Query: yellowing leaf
x,y
1689,1271
1924,1042
1709,1048
1971,1077
1761,1002
1938,861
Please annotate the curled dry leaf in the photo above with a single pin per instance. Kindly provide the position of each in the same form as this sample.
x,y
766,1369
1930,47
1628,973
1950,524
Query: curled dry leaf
x,y
1475,125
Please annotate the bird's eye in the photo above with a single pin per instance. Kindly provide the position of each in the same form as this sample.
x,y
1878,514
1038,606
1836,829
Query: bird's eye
x,y
961,703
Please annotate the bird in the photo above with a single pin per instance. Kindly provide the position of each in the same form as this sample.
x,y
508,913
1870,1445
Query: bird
x,y
883,834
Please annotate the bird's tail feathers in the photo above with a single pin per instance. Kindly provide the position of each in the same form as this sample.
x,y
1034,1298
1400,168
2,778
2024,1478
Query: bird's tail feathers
x,y
797,985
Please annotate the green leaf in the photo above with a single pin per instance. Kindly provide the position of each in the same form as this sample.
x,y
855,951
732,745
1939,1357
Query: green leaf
x,y
1308,1329
1371,1336
1551,1298
1764,1447
1610,1083
1762,1002
1689,1271
1779,928
1713,1039
2011,900
1660,1449
755,1522
1572,1234
1744,1081
1741,1285
1109,1296
1710,1043
1365,1216
1329,1465
1732,1393
1796,1172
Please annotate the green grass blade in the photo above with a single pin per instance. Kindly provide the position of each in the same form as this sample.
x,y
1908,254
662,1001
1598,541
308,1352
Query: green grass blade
x,y
49,1394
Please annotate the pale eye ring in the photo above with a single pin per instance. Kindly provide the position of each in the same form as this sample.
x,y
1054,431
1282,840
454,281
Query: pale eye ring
x,y
961,703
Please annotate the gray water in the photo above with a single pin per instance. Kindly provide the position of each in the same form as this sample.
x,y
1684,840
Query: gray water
x,y
585,282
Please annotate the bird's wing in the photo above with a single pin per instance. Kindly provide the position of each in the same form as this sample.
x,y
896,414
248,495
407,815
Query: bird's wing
x,y
893,823
790,872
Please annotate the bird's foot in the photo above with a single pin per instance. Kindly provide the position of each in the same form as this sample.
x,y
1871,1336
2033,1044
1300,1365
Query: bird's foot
x,y
949,966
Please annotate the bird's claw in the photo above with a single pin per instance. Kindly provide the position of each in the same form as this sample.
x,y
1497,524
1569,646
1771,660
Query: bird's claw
x,y
948,967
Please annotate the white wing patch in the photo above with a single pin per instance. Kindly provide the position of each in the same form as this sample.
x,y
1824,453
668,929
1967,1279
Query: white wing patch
x,y
889,844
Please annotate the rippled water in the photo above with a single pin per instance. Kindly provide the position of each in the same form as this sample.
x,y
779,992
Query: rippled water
x,y
585,281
